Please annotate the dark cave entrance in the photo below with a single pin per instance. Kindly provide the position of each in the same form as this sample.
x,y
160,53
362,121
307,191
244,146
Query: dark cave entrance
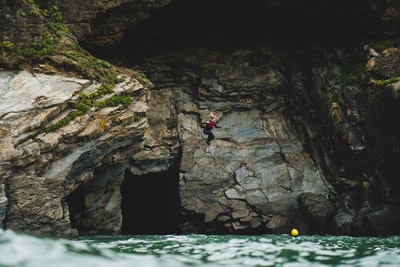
x,y
226,25
76,207
150,203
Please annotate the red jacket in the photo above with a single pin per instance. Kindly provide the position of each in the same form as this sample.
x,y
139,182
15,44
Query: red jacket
x,y
211,124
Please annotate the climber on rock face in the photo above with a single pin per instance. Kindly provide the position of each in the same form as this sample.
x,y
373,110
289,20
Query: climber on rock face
x,y
208,126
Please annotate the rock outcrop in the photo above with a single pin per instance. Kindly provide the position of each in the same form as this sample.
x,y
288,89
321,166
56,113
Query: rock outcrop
x,y
41,169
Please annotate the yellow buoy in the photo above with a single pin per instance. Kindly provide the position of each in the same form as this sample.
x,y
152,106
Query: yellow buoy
x,y
294,232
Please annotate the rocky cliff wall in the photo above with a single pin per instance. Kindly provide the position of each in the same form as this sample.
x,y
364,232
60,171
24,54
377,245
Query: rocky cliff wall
x,y
250,177
303,143
298,144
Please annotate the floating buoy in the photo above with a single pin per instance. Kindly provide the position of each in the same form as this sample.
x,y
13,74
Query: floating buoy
x,y
294,232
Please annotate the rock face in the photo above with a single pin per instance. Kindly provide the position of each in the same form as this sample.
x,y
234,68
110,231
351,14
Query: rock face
x,y
41,169
250,177
291,151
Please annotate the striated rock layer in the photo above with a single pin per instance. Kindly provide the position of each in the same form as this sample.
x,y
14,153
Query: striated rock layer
x,y
40,169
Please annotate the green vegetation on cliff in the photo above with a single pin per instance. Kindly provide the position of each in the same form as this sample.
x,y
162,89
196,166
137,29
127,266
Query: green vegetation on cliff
x,y
57,47
59,50
385,82
89,100
54,28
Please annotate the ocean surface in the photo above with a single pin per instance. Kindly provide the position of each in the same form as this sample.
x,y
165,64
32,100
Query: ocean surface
x,y
18,249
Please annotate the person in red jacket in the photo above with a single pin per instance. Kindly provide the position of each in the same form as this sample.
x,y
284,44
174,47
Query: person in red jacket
x,y
208,126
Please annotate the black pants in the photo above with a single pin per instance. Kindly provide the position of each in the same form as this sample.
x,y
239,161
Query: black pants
x,y
210,134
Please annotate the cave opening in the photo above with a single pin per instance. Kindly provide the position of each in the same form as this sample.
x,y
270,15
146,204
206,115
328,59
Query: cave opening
x,y
150,203
225,25
76,207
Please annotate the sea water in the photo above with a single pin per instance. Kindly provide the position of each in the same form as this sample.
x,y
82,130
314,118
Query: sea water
x,y
17,249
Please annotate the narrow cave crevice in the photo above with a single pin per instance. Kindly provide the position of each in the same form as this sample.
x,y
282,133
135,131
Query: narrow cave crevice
x,y
76,206
150,203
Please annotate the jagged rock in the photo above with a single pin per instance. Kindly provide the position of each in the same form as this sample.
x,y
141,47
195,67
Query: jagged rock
x,y
344,222
41,169
386,65
50,90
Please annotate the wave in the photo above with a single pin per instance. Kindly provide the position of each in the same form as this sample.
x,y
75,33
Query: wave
x,y
21,249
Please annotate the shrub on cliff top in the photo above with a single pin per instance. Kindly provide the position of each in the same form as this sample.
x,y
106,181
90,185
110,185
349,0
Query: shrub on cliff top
x,y
54,27
385,82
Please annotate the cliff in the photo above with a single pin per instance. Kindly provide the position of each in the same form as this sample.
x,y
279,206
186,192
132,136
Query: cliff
x,y
309,116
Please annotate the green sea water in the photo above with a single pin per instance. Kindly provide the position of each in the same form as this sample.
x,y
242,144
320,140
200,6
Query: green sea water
x,y
198,250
